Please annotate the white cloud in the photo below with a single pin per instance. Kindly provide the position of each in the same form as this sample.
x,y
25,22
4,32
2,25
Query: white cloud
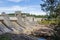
x,y
27,9
17,0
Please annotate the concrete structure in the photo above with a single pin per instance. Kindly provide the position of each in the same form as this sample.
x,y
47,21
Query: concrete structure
x,y
16,24
19,24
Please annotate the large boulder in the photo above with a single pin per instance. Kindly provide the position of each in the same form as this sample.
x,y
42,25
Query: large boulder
x,y
43,32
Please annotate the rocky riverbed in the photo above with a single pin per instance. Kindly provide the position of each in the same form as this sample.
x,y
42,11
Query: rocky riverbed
x,y
8,36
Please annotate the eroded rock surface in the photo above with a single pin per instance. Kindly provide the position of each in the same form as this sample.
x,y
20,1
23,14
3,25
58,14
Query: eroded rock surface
x,y
45,31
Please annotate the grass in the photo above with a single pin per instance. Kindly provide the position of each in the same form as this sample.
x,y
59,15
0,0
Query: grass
x,y
4,37
46,22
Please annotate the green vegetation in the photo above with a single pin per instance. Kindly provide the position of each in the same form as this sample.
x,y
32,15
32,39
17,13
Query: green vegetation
x,y
11,14
47,22
52,7
29,15
4,37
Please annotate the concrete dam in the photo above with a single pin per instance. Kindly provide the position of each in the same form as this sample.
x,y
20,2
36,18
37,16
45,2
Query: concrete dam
x,y
16,24
21,24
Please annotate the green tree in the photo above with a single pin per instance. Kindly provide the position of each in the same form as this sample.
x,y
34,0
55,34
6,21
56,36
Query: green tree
x,y
50,7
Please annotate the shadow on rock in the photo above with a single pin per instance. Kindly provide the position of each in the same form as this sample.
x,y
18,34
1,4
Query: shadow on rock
x,y
8,36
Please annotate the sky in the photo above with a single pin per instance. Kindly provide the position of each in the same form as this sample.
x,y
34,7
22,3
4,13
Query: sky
x,y
25,6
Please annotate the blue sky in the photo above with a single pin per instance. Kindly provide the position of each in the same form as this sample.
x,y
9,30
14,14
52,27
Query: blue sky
x,y
27,6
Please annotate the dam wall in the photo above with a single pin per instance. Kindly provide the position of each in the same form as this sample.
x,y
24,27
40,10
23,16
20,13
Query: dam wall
x,y
22,24
16,24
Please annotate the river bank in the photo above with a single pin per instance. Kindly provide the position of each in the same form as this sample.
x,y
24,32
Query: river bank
x,y
8,36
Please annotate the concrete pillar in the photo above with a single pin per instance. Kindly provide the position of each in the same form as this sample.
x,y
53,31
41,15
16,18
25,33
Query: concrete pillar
x,y
14,27
6,20
19,20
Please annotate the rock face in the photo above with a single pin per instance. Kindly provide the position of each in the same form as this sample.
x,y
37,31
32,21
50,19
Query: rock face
x,y
3,28
43,32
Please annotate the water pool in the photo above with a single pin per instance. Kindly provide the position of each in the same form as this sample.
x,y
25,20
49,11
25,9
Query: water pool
x,y
41,38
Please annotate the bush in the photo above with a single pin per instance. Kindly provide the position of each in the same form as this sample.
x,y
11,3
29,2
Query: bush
x,y
46,22
4,37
